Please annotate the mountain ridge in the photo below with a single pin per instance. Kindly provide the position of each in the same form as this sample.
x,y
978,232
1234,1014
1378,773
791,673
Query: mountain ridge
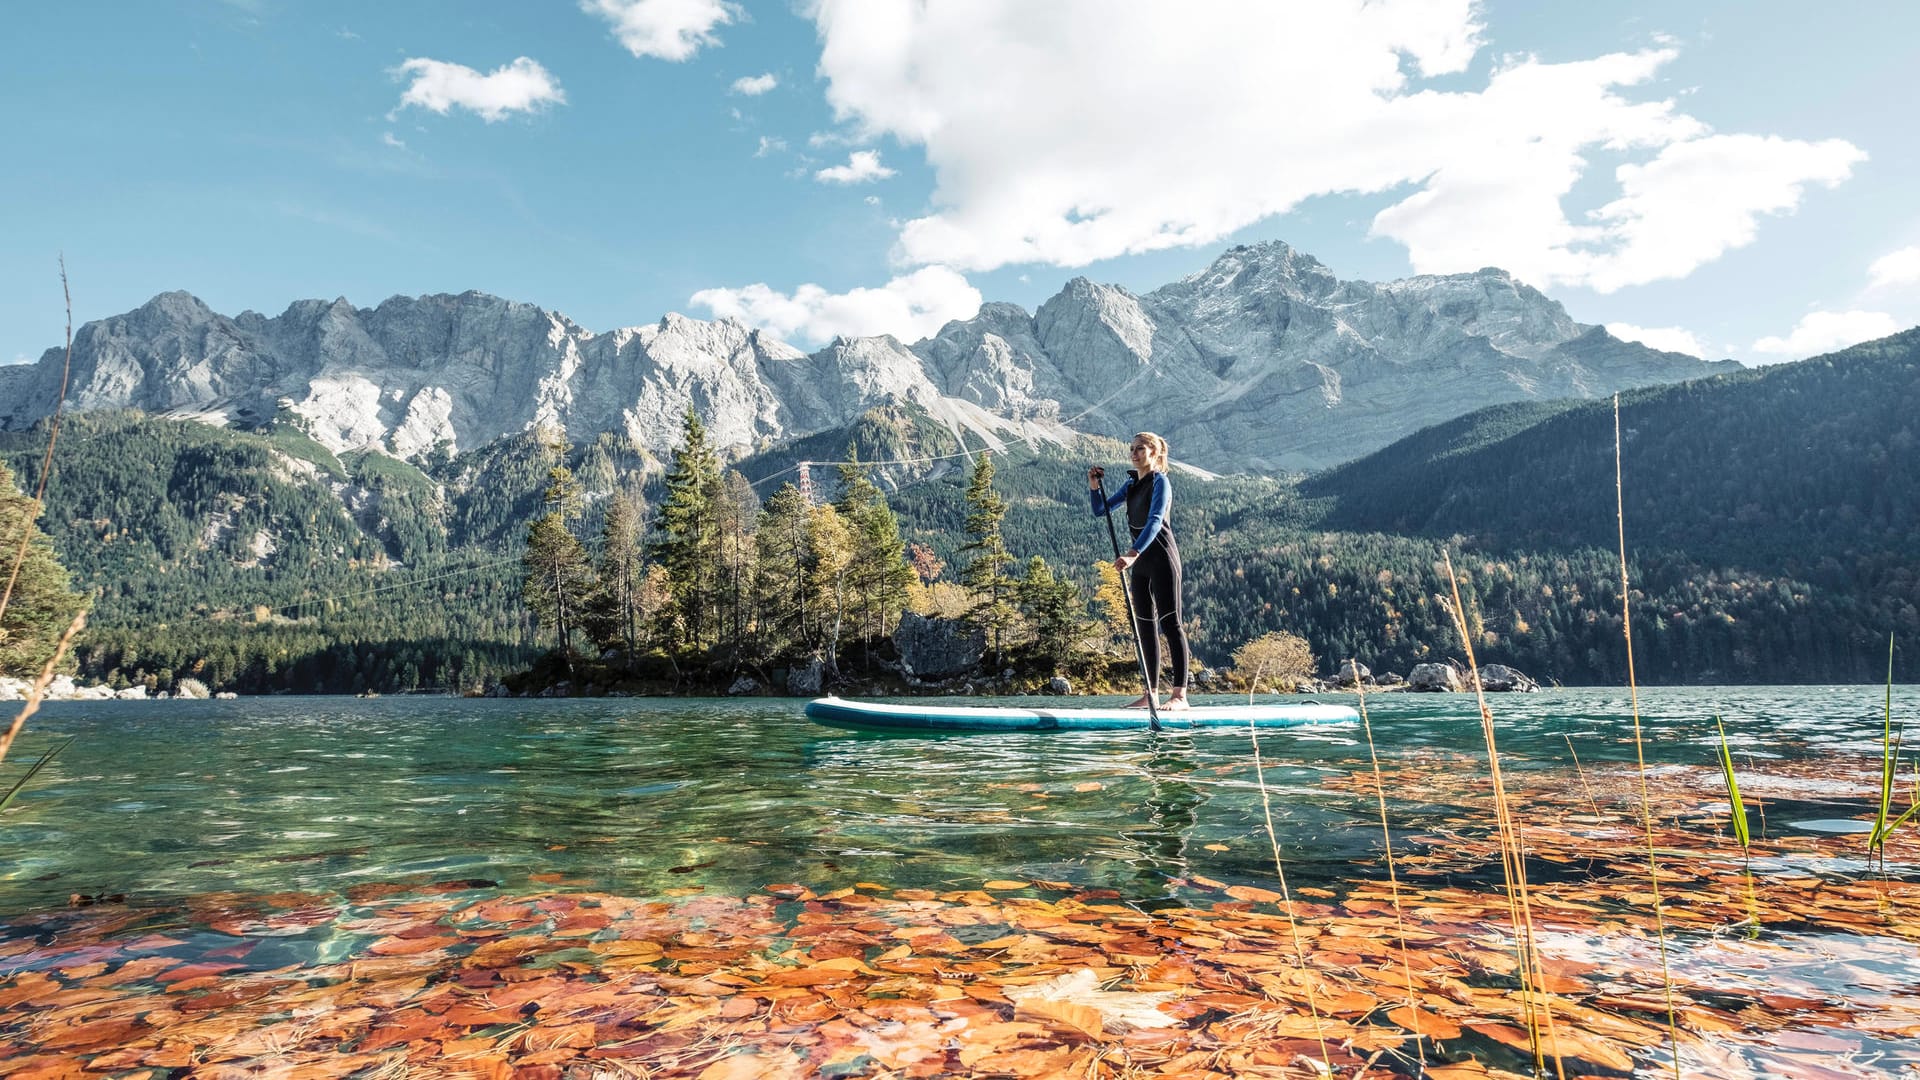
x,y
1264,360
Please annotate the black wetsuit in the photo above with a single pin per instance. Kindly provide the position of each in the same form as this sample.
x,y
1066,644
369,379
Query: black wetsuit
x,y
1155,585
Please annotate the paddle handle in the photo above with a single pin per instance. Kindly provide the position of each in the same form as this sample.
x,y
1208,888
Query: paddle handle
x,y
1126,594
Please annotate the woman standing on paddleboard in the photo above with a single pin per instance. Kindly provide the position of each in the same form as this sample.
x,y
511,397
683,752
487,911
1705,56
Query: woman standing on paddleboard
x,y
1155,561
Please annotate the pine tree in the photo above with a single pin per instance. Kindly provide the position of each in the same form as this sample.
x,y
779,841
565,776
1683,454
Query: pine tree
x,y
880,573
559,578
690,535
985,575
43,602
781,572
1054,611
622,572
563,495
830,547
560,582
735,509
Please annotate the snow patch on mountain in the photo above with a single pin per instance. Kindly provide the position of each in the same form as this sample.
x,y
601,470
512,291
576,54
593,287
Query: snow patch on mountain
x,y
1265,360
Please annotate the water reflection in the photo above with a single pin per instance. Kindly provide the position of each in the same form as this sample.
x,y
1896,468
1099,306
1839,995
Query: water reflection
x,y
1172,810
159,800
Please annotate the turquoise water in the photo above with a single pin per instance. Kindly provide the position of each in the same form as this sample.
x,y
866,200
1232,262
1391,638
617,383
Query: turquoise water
x,y
158,801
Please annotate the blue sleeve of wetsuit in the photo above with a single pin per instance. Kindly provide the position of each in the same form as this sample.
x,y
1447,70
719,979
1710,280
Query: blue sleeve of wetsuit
x,y
1156,512
1101,506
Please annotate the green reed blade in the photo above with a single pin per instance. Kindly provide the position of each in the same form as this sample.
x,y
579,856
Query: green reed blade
x,y
1889,761
1895,824
1738,807
28,775
1879,836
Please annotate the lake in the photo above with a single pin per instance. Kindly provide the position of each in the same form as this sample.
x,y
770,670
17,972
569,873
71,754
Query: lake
x,y
172,816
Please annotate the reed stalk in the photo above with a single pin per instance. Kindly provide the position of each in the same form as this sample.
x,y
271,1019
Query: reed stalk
x,y
1911,810
1393,876
38,691
1737,809
1286,900
1889,767
14,791
1639,747
1593,803
1512,859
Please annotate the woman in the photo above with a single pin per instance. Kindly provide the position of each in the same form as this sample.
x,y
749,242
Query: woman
x,y
1154,559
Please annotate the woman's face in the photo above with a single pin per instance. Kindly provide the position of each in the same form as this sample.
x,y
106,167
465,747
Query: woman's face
x,y
1141,453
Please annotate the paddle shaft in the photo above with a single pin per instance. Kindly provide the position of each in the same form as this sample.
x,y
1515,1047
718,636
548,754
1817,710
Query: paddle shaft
x,y
1126,594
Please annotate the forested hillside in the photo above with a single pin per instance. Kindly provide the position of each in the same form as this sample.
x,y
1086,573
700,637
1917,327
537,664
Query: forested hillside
x,y
262,562
1787,467
1772,518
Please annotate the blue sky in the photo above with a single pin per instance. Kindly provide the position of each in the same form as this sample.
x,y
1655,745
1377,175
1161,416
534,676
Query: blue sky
x,y
1726,176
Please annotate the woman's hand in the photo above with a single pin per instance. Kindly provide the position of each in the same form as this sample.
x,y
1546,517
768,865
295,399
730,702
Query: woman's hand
x,y
1126,560
1094,475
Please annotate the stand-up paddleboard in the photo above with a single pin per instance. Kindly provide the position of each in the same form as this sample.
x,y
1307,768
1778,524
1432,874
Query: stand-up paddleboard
x,y
878,716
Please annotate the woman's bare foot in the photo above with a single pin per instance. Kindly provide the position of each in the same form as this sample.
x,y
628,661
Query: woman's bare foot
x,y
1142,702
1177,701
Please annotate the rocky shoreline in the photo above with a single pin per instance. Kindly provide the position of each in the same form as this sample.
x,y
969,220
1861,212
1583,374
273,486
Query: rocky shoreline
x,y
64,688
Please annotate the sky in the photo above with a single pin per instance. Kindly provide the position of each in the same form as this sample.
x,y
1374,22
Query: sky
x,y
1720,177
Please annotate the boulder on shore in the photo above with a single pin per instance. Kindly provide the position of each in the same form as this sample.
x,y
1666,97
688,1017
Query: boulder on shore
x,y
935,648
807,679
1503,679
1352,673
1433,678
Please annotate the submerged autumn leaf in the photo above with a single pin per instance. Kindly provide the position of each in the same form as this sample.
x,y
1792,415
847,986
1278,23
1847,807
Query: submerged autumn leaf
x,y
1078,994
1029,976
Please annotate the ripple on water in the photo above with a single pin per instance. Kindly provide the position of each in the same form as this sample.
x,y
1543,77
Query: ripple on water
x,y
641,785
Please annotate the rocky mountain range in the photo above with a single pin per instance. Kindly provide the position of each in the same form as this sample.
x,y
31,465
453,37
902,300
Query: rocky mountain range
x,y
1264,361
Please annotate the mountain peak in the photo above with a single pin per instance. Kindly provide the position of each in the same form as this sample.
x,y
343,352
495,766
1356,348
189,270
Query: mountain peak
x,y
177,306
1272,266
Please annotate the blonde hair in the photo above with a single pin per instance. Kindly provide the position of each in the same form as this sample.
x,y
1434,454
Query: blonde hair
x,y
1156,450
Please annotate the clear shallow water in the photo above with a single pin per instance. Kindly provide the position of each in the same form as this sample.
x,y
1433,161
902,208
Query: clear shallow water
x,y
164,800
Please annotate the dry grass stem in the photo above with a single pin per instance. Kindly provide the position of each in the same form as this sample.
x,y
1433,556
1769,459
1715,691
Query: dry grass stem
x,y
1639,745
1512,856
1393,876
39,689
46,464
1582,774
1286,900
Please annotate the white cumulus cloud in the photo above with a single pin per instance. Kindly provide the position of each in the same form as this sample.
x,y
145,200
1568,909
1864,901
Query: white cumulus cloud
x,y
1699,198
664,29
1667,338
911,307
863,166
1109,129
522,86
755,85
1825,331
1895,269
770,144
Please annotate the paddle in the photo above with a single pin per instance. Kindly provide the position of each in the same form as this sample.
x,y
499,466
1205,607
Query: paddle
x,y
1126,593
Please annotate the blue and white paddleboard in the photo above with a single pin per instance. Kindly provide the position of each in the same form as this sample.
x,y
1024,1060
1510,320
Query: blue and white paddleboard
x,y
878,716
